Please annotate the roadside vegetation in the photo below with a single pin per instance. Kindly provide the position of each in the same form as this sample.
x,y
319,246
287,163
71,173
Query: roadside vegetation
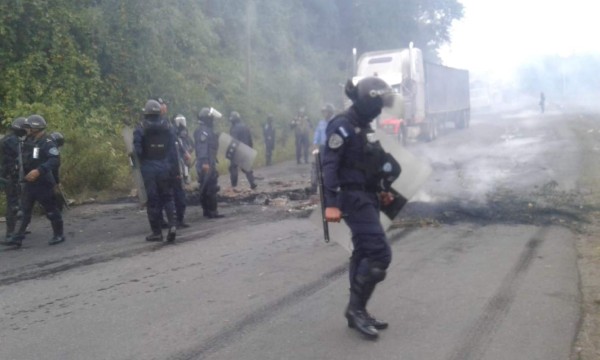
x,y
89,66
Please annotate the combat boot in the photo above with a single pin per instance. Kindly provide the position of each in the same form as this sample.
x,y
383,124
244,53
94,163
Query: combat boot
x,y
56,239
57,229
171,234
358,319
182,225
154,237
14,240
377,324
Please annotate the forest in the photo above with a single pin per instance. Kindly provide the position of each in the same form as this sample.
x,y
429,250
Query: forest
x,y
88,66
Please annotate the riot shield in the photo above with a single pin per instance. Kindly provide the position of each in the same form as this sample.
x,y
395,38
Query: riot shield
x,y
134,162
236,151
414,174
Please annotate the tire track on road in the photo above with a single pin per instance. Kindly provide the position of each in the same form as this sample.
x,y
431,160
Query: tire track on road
x,y
477,338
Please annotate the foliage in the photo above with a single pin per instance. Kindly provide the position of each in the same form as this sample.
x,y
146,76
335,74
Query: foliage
x,y
89,65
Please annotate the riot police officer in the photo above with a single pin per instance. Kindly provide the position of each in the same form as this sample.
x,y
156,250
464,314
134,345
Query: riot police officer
x,y
154,144
41,159
183,148
356,184
240,132
207,144
11,152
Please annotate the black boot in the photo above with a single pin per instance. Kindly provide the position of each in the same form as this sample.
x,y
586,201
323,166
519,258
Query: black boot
x,y
156,234
15,240
367,290
171,234
358,318
182,224
154,237
57,229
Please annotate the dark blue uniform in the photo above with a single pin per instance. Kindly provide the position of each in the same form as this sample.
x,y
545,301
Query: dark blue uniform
x,y
269,136
207,144
349,188
154,144
41,154
178,190
10,172
240,131
352,179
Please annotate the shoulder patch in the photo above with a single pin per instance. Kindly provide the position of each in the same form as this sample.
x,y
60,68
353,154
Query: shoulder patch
x,y
335,141
54,151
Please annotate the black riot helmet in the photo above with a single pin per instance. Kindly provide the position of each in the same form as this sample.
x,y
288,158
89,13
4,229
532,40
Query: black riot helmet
x,y
234,117
58,138
152,107
369,96
35,122
18,126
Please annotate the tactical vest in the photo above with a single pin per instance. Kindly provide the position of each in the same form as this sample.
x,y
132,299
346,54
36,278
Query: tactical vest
x,y
378,166
156,141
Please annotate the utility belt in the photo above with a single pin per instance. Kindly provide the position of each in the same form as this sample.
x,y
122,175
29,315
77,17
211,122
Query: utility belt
x,y
358,187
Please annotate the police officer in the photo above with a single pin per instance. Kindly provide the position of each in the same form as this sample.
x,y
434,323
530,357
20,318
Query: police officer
x,y
59,139
206,142
269,136
154,144
240,131
41,159
183,147
356,184
11,151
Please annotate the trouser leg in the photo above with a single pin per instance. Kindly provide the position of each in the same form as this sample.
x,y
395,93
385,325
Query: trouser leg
x,y
233,174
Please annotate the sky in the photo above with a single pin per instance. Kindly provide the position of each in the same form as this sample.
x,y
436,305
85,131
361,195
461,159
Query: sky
x,y
495,36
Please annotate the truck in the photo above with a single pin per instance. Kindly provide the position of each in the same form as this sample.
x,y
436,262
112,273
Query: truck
x,y
428,95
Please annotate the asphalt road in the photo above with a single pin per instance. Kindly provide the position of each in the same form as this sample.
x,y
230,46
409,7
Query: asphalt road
x,y
484,267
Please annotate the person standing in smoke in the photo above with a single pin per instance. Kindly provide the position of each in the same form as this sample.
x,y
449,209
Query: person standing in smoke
x,y
240,132
356,182
269,136
542,102
319,138
301,126
206,142
154,144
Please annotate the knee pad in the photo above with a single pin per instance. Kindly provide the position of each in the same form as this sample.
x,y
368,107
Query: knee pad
x,y
54,216
377,272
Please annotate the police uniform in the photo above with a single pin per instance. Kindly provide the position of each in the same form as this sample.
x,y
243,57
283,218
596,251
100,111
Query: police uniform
x,y
154,144
354,172
206,143
240,131
41,154
178,190
10,172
